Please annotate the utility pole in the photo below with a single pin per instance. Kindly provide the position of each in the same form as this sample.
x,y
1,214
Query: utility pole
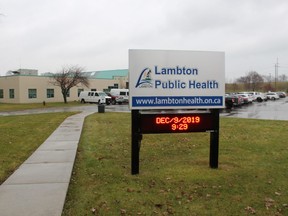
x,y
276,73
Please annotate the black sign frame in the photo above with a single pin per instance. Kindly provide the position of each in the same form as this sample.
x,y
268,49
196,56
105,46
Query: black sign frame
x,y
145,123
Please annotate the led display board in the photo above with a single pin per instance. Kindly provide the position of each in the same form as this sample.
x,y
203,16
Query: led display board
x,y
177,123
150,122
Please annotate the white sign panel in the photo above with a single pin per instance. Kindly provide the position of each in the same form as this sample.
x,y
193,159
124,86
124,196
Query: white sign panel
x,y
161,79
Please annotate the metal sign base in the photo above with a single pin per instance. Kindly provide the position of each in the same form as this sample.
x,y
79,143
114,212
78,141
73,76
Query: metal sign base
x,y
137,126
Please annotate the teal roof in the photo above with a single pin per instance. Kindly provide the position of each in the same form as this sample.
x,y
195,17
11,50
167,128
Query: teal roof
x,y
107,74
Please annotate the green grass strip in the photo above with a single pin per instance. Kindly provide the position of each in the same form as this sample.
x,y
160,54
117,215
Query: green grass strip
x,y
175,178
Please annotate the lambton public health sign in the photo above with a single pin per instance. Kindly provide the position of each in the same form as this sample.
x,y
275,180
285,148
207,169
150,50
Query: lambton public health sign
x,y
161,79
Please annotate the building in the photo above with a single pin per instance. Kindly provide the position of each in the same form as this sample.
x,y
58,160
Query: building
x,y
23,88
23,72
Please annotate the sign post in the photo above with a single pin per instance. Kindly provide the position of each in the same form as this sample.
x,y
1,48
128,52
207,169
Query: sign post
x,y
187,82
214,141
136,142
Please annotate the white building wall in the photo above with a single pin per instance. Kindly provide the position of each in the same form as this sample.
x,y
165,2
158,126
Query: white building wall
x,y
22,84
6,83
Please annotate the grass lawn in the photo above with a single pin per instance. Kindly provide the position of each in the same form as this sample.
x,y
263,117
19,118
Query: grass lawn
x,y
21,136
15,107
175,178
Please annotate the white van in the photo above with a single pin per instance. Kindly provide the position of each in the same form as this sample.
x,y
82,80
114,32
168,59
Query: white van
x,y
121,93
92,97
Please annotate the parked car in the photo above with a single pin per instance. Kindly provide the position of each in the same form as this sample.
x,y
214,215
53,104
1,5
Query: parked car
x,y
92,97
246,98
272,96
281,94
116,99
108,99
240,100
232,101
258,96
121,92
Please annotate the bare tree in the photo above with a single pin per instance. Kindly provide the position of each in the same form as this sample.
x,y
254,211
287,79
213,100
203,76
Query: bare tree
x,y
69,77
282,78
252,81
245,80
256,80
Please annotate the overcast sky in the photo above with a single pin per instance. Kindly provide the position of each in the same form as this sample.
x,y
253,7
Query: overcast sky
x,y
96,34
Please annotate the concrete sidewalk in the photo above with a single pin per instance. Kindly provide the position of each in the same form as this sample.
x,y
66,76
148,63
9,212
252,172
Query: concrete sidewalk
x,y
39,186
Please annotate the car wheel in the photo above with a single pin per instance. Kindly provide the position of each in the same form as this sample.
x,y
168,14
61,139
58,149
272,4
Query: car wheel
x,y
259,99
113,102
82,101
273,98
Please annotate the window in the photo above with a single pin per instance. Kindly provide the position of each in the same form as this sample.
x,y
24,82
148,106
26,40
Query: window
x,y
93,89
50,93
32,93
1,93
80,90
11,93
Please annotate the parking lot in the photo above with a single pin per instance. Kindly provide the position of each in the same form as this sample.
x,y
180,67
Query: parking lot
x,y
273,110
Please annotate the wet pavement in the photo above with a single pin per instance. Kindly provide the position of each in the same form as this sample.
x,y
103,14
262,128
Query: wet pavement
x,y
87,108
272,110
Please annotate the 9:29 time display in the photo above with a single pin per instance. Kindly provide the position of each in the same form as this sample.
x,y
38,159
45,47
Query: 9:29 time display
x,y
178,123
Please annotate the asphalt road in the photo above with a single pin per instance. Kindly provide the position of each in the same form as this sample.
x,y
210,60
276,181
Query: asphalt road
x,y
89,108
273,110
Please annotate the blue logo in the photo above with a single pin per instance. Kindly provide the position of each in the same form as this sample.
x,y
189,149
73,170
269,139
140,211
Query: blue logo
x,y
145,80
